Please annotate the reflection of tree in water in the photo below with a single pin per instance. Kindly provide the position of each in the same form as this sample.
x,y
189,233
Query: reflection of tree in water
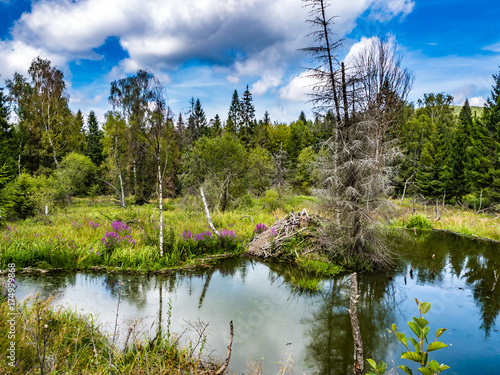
x,y
471,260
133,290
479,273
51,285
330,347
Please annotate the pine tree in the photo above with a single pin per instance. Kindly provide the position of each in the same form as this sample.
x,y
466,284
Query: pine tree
x,y
216,126
234,115
491,121
459,184
6,137
94,140
247,131
181,131
200,120
431,172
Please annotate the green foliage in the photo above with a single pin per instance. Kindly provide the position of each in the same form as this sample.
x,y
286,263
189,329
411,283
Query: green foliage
x,y
419,222
271,200
26,196
94,140
76,173
221,161
305,174
260,170
431,172
416,352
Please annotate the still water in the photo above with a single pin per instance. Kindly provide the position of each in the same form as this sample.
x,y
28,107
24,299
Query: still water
x,y
274,321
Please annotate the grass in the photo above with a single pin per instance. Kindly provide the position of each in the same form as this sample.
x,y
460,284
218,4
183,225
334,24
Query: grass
x,y
50,340
451,218
73,238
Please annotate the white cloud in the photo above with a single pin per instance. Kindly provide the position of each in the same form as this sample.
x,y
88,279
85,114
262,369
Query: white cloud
x,y
386,9
494,47
269,80
298,89
166,33
16,56
477,101
233,79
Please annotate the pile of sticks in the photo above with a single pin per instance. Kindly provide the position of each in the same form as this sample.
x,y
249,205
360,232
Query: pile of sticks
x,y
270,243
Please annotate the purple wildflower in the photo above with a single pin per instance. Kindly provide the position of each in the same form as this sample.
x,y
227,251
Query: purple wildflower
x,y
120,226
259,228
186,235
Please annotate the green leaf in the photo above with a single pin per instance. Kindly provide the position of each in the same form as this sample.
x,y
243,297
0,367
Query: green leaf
x,y
436,345
372,363
406,369
425,307
412,356
425,371
425,358
422,323
433,366
382,366
415,343
402,338
443,367
425,332
394,328
440,331
416,329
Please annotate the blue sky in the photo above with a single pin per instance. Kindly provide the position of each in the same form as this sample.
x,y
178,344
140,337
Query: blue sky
x,y
207,49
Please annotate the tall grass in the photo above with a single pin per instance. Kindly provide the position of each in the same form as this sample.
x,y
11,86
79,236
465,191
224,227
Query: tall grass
x,y
52,340
453,218
75,238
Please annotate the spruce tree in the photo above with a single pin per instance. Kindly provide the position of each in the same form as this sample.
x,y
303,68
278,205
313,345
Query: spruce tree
x,y
247,130
431,172
491,121
94,140
200,120
216,126
6,137
234,115
457,183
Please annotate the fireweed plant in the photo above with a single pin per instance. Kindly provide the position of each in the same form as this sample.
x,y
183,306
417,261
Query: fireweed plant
x,y
208,243
121,233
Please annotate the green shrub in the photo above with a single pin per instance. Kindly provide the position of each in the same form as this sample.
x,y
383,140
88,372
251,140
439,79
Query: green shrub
x,y
419,221
271,200
76,173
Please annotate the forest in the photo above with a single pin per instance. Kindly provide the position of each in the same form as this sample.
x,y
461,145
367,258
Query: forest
x,y
50,154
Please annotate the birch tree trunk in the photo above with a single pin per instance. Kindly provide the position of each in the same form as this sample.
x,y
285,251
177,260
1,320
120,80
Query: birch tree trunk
x,y
207,213
160,204
122,196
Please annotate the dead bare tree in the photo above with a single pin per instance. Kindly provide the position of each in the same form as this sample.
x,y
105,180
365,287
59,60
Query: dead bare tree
x,y
357,164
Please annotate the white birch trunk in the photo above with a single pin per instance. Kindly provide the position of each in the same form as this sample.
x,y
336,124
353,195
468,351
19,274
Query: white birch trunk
x,y
207,213
160,204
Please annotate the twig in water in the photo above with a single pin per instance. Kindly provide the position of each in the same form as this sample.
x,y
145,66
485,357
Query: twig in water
x,y
496,279
224,365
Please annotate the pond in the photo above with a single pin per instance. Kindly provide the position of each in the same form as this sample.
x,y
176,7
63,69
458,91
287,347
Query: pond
x,y
275,322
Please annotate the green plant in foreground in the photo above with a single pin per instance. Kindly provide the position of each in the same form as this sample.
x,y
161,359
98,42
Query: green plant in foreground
x,y
418,221
420,327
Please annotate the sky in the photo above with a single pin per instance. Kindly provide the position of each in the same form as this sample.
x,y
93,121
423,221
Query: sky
x,y
206,49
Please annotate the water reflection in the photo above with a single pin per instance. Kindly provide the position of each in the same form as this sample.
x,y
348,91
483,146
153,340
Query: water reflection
x,y
273,317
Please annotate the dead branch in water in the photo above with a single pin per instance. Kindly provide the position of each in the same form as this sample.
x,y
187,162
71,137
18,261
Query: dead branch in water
x,y
356,333
224,365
